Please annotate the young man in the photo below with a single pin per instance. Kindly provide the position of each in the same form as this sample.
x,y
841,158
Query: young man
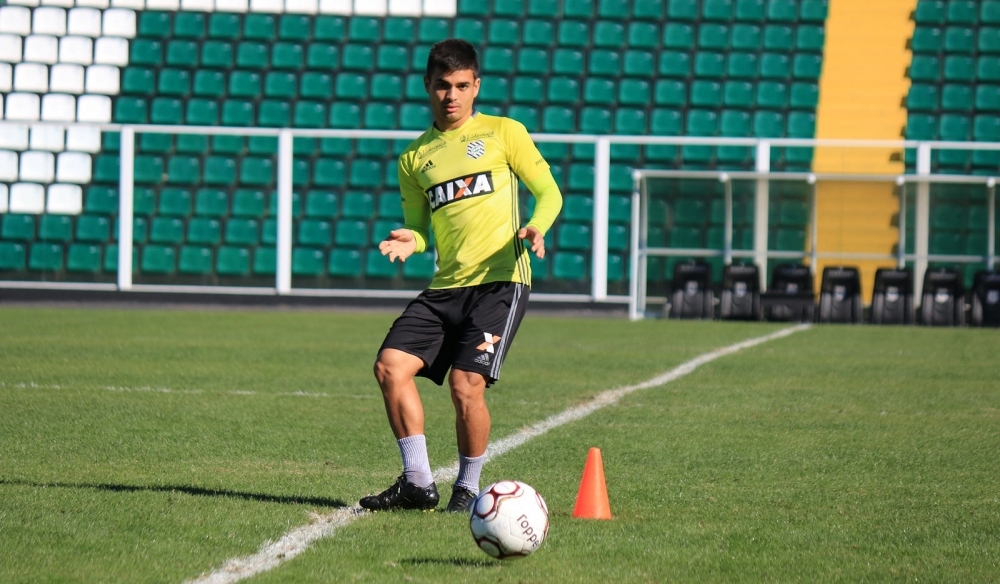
x,y
461,179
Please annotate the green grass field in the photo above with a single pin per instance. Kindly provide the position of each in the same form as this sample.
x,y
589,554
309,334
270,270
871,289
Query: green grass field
x,y
144,445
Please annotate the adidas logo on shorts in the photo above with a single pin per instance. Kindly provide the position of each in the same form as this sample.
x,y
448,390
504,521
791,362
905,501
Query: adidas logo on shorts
x,y
483,359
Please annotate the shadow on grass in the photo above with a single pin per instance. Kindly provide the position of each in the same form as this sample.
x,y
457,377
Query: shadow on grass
x,y
188,490
458,562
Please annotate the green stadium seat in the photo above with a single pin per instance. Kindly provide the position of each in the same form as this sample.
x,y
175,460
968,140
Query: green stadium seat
x,y
775,66
599,91
527,115
79,258
921,127
106,168
813,10
146,52
954,127
675,64
630,121
639,63
717,10
634,92
922,97
351,233
772,95
738,94
988,69
209,83
264,261
345,115
986,128
768,124
959,39
959,68
256,171
648,9
307,261
269,230
57,228
322,56
669,92
219,170
735,123
345,263
702,122
148,169
316,85
211,203
315,232
165,110
595,120
499,60
287,56
682,9
778,38
469,29
706,93
568,62
569,266
390,205
280,84
174,82
296,204
274,114
351,86
329,28
539,33
45,257
782,10
166,230
420,266
193,143
228,144
925,68
380,116
378,266
204,230
358,205
666,122
926,40
309,114
184,170
238,112
533,61
564,90
689,212
746,37
529,90
963,12
295,27
990,12
155,143
677,35
643,35
788,240
182,53
956,98
504,32
138,81
432,30
474,7
259,27
217,54
709,65
93,228
232,261
223,25
573,236
154,24
750,10
578,208
382,228
414,116
713,36
321,204
581,9
251,55
364,29
609,34
201,112
143,201
248,203
101,200
988,40
393,58
804,95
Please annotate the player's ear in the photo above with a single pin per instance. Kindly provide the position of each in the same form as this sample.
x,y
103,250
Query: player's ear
x,y
427,84
475,87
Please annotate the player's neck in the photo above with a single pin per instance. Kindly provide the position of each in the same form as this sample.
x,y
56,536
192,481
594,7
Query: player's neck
x,y
445,127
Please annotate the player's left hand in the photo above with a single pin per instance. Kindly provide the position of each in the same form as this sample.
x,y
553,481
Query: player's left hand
x,y
535,239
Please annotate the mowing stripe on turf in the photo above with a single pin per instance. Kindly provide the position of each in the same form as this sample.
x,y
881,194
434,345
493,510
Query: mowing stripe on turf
x,y
296,541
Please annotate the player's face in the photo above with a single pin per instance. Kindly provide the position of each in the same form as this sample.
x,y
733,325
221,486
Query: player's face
x,y
452,94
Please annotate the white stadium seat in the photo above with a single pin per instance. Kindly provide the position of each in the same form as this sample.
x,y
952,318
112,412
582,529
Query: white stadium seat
x,y
27,198
37,166
15,20
198,5
102,4
76,49
74,167
49,138
267,5
165,5
83,139
65,199
66,78
40,48
299,6
131,4
370,7
8,166
84,22
33,77
10,48
58,107
119,22
232,5
63,3
6,78
49,20
440,8
14,138
111,51
3,198
335,6
103,79
22,106
93,108
405,7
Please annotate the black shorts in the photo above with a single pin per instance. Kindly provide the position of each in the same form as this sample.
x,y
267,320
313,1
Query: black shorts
x,y
468,328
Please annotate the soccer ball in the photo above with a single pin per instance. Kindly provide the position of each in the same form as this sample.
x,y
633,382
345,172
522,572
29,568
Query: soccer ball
x,y
509,520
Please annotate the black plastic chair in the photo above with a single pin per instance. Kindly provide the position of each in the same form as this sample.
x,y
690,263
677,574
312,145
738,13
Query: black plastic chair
x,y
740,298
790,296
840,295
692,296
943,300
985,299
892,297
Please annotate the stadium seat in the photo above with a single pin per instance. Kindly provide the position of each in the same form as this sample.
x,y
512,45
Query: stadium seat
x,y
790,294
942,302
740,295
892,297
345,263
378,266
692,295
840,296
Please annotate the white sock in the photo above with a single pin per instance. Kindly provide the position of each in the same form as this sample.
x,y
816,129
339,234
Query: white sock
x,y
469,470
416,465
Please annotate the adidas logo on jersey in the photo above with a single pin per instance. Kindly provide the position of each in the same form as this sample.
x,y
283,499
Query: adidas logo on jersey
x,y
454,189
428,166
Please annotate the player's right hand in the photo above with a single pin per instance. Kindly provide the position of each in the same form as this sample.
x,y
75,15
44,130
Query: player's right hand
x,y
400,244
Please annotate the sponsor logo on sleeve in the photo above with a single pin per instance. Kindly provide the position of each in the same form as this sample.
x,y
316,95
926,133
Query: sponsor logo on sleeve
x,y
456,189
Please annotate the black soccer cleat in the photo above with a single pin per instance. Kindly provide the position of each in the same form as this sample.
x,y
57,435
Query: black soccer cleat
x,y
461,500
402,495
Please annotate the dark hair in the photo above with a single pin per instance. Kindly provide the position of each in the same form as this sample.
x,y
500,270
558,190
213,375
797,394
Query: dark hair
x,y
453,55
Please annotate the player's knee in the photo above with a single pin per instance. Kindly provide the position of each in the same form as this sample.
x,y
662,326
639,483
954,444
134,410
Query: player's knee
x,y
391,367
467,387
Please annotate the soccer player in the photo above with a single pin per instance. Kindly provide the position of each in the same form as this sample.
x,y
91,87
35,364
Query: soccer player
x,y
460,178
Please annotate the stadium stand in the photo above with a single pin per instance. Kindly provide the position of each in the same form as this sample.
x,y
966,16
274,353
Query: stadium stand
x,y
665,67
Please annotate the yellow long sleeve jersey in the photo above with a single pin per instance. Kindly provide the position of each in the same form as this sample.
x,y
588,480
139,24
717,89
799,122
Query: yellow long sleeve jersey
x,y
463,184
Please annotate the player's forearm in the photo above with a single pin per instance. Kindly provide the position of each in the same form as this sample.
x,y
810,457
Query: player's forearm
x,y
548,201
417,220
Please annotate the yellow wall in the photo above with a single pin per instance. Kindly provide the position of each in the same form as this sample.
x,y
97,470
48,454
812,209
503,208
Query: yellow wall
x,y
861,96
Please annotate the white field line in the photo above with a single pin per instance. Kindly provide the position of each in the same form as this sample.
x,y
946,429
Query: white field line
x,y
147,389
296,541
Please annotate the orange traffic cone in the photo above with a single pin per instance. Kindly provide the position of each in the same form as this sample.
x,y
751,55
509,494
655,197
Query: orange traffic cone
x,y
592,500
